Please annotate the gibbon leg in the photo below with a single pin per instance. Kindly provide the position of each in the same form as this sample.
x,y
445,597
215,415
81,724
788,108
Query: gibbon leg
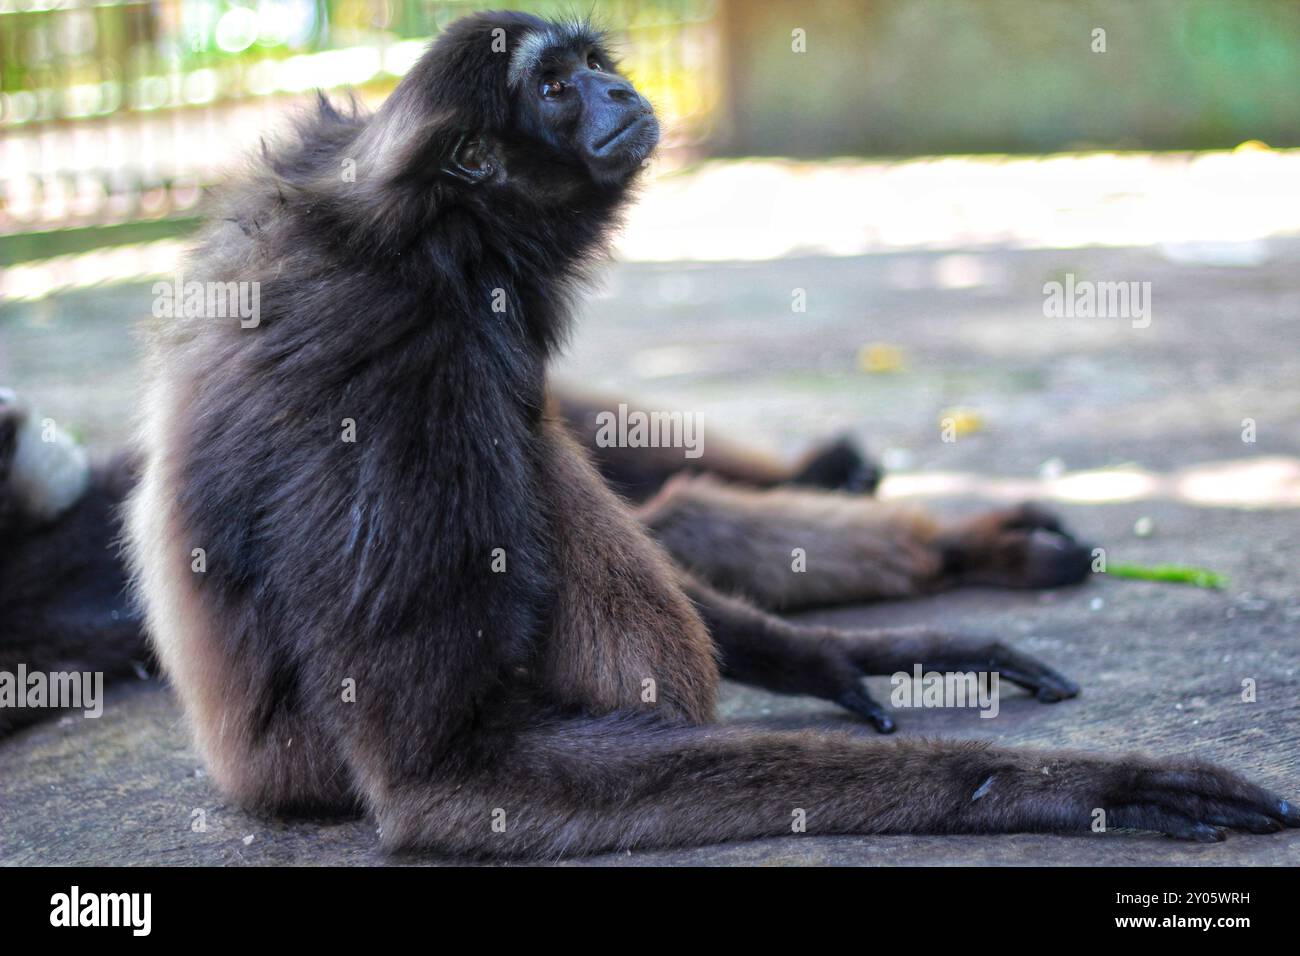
x,y
761,649
786,549
529,782
637,473
585,785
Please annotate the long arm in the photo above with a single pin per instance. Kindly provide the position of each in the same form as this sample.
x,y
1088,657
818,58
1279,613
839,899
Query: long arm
x,y
829,662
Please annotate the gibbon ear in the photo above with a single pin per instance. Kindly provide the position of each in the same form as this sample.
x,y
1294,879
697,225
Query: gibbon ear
x,y
472,159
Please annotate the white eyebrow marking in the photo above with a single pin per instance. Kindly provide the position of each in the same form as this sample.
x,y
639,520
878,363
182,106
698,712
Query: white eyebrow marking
x,y
527,53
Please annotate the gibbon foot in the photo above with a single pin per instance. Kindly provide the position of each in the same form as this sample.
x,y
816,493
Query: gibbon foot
x,y
839,466
1187,800
1022,547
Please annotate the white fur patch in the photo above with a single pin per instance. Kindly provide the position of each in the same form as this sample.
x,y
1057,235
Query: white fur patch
x,y
47,477
532,45
527,53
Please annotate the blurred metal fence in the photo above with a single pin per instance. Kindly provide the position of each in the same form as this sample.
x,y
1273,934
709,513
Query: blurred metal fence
x,y
117,112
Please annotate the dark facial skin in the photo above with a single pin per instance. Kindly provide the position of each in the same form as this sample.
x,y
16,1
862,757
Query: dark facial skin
x,y
575,101
575,105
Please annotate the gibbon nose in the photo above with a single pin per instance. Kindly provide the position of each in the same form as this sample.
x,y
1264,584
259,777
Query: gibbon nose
x,y
621,92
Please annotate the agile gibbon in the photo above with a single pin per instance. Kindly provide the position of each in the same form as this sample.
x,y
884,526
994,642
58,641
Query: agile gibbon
x,y
418,597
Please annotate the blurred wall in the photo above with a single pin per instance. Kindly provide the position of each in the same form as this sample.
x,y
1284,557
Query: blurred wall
x,y
116,114
936,76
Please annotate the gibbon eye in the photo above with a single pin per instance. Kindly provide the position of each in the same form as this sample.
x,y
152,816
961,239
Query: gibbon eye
x,y
595,64
553,87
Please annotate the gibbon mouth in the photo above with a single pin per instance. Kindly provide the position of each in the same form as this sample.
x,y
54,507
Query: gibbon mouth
x,y
627,126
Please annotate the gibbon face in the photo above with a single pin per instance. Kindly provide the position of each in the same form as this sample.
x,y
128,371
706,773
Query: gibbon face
x,y
569,108
571,97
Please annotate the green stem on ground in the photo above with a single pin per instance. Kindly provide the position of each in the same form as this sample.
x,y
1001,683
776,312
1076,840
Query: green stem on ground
x,y
1169,573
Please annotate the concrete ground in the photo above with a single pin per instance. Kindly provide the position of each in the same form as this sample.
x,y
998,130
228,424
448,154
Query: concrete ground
x,y
1117,423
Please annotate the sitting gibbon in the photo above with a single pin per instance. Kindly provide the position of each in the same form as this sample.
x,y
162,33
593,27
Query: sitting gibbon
x,y
419,599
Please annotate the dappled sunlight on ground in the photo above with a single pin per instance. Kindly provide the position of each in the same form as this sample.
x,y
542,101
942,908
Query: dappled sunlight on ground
x,y
1267,482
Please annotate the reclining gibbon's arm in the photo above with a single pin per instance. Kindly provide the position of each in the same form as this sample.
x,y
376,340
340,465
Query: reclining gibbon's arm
x,y
417,596
638,472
